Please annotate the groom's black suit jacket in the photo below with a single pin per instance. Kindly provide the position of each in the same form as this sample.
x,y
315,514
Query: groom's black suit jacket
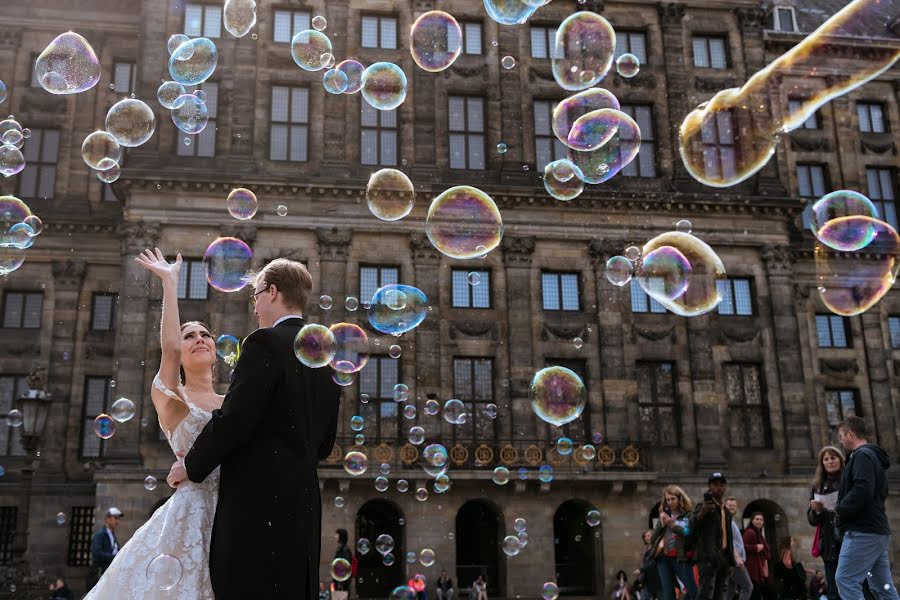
x,y
278,420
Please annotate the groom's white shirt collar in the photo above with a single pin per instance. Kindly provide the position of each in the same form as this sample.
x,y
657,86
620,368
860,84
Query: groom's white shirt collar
x,y
286,317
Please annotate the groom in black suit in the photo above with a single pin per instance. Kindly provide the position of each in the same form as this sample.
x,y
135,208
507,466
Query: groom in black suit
x,y
278,420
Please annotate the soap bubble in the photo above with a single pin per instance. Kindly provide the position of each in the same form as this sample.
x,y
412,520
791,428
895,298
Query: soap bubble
x,y
351,303
335,81
432,407
490,410
511,545
150,483
327,60
509,12
176,41
549,591
228,261
402,486
435,459
564,446
664,273
403,592
522,536
363,546
340,569
557,395
319,23
384,544
3,92
104,426
241,204
60,518
594,129
500,475
351,346
14,418
559,188
401,392
12,211
326,302
583,50
339,501
381,484
435,41
619,270
307,48
390,194
131,122
100,150
593,517
353,70
190,114
454,412
314,345
567,112
357,423
508,62
68,65
684,226
193,61
416,435
35,223
843,203
228,348
520,525
164,572
426,557
239,16
282,210
628,65
12,161
545,473
702,294
502,148
588,452
384,85
441,484
168,94
355,463
387,560
389,316
421,496
20,236
110,175
464,222
606,161
122,410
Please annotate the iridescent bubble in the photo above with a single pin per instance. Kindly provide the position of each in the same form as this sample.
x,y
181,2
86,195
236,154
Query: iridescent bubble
x,y
426,557
319,23
454,411
567,112
164,572
385,469
702,294
363,546
464,222
401,392
326,302
500,475
282,210
20,236
522,536
402,486
435,41
632,253
150,483
435,459
384,317
409,411
416,435
583,51
545,473
557,395
353,70
490,411
441,484
357,423
851,282
3,92
239,17
684,226
508,62
200,94
384,85
606,161
511,545
228,348
104,426
664,273
176,41
559,188
628,65
381,484
12,211
11,258
390,194
411,557
564,446
351,346
351,303
68,65
597,437
193,61
241,204
131,122
549,591
35,223
402,592
588,452
339,501
340,569
12,161
520,525
307,48
384,544
227,263
355,463
421,496
168,94
327,60
843,203
593,517
335,81
100,150
14,418
432,407
619,270
509,12
110,175
387,560
190,114
13,137
502,148
592,130
122,410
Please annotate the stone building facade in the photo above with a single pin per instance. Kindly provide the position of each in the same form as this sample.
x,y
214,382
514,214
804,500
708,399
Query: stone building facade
x,y
753,388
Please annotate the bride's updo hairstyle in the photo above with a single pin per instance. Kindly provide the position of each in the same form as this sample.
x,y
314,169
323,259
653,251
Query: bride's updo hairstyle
x,y
209,331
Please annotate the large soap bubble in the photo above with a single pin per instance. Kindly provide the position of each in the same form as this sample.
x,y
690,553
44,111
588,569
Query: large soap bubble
x,y
239,16
563,180
241,203
557,395
706,268
843,203
583,51
389,315
353,69
12,211
510,12
664,273
384,85
390,194
191,114
68,65
314,345
351,348
228,261
131,122
567,112
464,222
435,41
308,47
100,150
606,161
12,161
193,61
168,94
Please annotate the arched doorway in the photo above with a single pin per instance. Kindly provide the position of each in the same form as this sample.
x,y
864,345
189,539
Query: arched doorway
x,y
575,546
479,530
373,578
776,528
653,516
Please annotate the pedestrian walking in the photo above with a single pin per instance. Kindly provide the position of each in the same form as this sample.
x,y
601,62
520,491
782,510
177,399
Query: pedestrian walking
x,y
710,525
861,518
669,544
820,514
740,578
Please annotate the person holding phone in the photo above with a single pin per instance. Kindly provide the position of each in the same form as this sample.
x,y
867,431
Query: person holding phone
x,y
669,543
710,525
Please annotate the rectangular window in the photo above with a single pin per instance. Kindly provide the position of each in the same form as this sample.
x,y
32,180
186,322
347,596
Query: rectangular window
x,y
289,23
641,302
472,41
813,122
11,387
379,32
784,19
8,516
289,125
736,297
203,20
41,150
22,310
894,330
811,181
96,401
710,52
881,193
644,165
660,422
561,291
871,117
748,409
634,42
377,380
378,136
471,289
192,280
579,430
543,42
103,308
124,77
832,331
466,132
473,384
547,147
81,525
840,404
717,136
202,144
371,279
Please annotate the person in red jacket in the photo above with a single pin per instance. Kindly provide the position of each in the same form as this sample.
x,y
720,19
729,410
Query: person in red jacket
x,y
758,555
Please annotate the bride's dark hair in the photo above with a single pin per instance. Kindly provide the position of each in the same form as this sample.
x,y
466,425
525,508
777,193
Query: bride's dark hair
x,y
209,331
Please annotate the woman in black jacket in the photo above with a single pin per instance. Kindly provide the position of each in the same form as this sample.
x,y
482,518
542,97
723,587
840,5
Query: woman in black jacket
x,y
343,551
824,492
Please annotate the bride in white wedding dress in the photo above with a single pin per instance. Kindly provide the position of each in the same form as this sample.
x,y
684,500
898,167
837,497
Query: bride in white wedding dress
x,y
184,399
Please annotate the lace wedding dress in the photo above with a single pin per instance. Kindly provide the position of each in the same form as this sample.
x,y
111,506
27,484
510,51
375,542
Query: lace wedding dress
x,y
180,528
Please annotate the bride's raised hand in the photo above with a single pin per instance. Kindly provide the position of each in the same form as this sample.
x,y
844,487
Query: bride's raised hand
x,y
156,263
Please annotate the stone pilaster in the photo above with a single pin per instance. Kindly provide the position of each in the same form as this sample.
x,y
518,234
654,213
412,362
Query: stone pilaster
x,y
426,265
611,306
884,418
517,253
678,81
334,244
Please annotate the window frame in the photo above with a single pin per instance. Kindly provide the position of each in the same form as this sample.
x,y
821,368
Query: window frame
x,y
637,166
655,404
187,267
744,408
881,202
722,146
40,164
776,21
112,311
289,124
9,516
751,292
293,14
810,168
21,317
380,131
559,291
816,118
132,76
470,288
894,331
467,134
549,37
558,150
868,106
375,362
626,35
651,303
13,446
193,149
380,284
81,525
707,38
86,421
838,395
379,18
205,7
472,416
465,37
830,320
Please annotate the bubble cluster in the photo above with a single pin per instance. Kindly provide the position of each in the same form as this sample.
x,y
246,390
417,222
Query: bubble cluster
x,y
68,65
131,122
390,194
842,203
241,204
706,268
434,459
583,51
239,16
384,85
454,412
557,395
435,41
193,61
397,308
351,348
606,161
464,222
227,263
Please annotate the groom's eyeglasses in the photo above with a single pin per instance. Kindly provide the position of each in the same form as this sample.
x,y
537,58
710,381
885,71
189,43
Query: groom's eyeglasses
x,y
255,294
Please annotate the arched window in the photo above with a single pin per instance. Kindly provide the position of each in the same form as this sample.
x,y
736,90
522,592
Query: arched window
x,y
776,527
373,578
479,531
575,548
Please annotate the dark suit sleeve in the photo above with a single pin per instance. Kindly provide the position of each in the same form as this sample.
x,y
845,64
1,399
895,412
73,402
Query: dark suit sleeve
x,y
245,404
329,392
98,549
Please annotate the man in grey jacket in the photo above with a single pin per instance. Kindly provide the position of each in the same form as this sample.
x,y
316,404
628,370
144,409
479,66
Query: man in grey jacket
x,y
739,575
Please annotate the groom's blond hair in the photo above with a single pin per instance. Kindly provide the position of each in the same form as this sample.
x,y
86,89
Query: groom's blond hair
x,y
290,277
